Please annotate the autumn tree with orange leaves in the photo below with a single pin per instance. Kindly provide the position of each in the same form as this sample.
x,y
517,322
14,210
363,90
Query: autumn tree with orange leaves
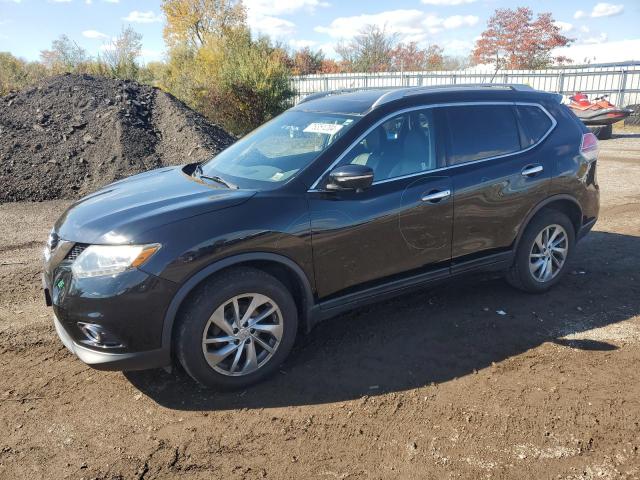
x,y
514,40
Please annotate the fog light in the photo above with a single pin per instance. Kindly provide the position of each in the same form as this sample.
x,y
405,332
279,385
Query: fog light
x,y
97,336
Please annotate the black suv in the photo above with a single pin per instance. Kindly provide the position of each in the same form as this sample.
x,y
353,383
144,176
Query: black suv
x,y
343,200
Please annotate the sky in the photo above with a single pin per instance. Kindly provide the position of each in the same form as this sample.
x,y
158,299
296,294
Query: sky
x,y
603,32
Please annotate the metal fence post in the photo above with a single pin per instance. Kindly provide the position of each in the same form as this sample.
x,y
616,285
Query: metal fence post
x,y
561,82
622,87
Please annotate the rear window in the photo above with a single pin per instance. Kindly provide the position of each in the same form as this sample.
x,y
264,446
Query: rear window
x,y
535,124
477,132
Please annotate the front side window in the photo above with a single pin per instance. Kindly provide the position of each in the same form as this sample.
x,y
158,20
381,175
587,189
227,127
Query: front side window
x,y
477,132
402,145
279,149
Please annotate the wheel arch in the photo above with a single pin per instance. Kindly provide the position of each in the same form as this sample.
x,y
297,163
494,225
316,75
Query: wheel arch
x,y
564,203
281,267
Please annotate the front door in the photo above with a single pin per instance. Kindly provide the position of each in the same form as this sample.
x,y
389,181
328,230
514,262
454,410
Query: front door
x,y
402,223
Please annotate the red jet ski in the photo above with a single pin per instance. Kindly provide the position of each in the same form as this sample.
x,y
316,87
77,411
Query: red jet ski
x,y
599,113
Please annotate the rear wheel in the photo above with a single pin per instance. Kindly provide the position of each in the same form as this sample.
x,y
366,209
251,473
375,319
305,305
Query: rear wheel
x,y
543,252
237,329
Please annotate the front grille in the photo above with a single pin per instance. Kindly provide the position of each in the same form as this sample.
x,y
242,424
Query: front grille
x,y
77,249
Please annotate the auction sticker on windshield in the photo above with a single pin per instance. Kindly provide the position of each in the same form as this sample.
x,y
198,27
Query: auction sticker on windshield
x,y
325,128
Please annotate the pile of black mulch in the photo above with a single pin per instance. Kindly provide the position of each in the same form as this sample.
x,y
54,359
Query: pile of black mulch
x,y
71,134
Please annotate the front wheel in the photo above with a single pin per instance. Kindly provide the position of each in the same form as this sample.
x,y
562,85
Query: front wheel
x,y
236,329
543,252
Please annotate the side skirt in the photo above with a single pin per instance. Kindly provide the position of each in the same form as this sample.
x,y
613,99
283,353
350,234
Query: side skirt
x,y
330,308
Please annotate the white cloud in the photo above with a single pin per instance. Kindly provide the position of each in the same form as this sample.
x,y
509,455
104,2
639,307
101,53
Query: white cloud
x,y
150,55
281,7
13,1
142,17
447,2
301,43
457,21
596,39
111,1
584,29
264,15
329,49
403,22
617,51
606,10
579,14
409,25
457,47
564,26
88,2
94,34
272,26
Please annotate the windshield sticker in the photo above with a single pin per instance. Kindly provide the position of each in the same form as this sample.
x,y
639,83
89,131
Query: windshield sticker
x,y
325,128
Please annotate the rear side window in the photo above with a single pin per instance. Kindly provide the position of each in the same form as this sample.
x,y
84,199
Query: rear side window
x,y
534,122
481,131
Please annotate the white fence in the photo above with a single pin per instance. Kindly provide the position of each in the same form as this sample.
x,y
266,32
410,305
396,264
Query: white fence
x,y
620,81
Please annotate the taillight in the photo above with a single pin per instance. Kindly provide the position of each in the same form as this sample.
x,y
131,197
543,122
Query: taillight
x,y
589,147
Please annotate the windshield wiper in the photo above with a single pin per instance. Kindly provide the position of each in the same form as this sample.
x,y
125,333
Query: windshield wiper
x,y
214,178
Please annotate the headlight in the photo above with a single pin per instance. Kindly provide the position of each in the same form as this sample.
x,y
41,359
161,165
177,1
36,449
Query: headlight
x,y
100,260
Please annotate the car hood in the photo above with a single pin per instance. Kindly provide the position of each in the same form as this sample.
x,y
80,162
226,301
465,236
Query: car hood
x,y
121,211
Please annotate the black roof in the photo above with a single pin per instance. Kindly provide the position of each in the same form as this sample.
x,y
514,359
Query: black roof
x,y
360,102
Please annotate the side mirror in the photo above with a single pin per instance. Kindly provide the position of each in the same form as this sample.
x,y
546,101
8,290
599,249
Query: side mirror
x,y
350,177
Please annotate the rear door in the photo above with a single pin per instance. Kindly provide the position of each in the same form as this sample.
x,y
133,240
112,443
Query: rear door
x,y
497,172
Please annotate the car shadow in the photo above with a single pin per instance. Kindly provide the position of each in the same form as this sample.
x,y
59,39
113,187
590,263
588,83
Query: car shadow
x,y
434,335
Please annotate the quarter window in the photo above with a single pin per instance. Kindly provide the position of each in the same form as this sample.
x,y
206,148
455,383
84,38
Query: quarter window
x,y
481,131
534,123
402,145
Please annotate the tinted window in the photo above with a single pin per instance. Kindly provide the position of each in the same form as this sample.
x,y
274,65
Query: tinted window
x,y
535,124
481,131
403,145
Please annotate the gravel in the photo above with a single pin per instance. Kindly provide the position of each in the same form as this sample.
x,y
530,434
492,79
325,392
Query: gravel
x,y
71,134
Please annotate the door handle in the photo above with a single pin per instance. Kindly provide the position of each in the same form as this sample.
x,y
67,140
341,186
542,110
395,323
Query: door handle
x,y
531,170
434,197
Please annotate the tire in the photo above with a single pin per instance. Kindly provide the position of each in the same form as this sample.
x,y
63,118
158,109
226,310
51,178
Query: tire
x,y
603,132
211,305
521,275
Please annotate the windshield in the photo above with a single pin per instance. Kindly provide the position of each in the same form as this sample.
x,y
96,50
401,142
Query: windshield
x,y
278,150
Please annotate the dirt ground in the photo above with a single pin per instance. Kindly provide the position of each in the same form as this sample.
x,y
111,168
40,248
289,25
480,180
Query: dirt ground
x,y
433,385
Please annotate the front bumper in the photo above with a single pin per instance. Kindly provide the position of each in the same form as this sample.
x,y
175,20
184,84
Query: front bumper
x,y
113,361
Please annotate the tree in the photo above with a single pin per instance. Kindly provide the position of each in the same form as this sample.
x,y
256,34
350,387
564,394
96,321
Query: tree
x,y
250,84
224,73
514,40
307,62
330,66
369,51
16,73
194,22
121,54
65,56
410,57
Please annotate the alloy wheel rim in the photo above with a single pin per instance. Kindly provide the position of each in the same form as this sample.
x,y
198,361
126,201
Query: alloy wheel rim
x,y
242,334
548,253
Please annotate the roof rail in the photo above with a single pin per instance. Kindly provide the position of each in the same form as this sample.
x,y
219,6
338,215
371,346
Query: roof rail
x,y
404,92
326,93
